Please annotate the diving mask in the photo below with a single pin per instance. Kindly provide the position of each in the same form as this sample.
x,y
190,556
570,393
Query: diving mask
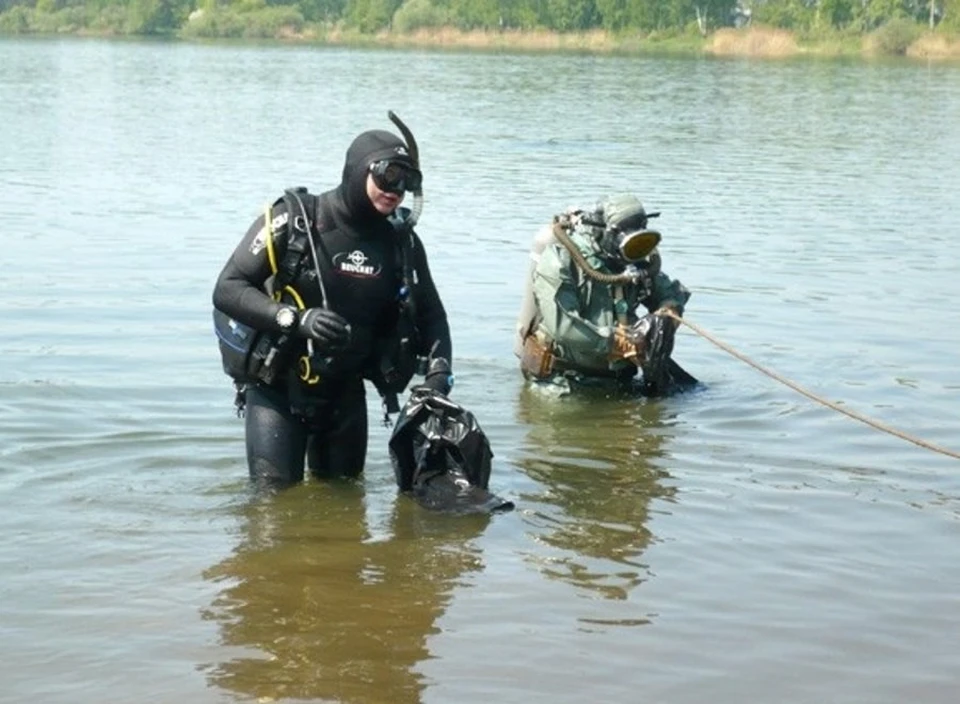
x,y
625,235
395,176
631,246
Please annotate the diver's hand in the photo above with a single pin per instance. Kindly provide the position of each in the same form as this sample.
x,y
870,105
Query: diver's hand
x,y
325,327
439,376
439,383
669,310
623,345
640,332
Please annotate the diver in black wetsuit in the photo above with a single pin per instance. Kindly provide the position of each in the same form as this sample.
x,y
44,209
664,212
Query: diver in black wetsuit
x,y
333,307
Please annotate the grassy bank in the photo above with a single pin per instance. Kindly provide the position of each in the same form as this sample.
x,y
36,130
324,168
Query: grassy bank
x,y
895,38
752,42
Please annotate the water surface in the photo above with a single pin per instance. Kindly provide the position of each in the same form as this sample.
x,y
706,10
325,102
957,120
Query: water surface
x,y
741,543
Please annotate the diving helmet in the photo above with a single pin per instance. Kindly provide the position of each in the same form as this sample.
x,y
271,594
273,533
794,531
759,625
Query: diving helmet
x,y
625,235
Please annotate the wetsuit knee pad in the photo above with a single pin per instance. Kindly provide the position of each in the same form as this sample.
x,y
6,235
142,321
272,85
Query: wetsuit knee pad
x,y
265,474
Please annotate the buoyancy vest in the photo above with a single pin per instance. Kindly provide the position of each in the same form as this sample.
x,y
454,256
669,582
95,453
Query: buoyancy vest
x,y
251,356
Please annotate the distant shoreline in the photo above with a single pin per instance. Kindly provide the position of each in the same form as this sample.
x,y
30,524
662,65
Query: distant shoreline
x,y
751,42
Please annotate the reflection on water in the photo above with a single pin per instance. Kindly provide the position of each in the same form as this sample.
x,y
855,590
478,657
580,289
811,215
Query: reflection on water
x,y
316,604
597,461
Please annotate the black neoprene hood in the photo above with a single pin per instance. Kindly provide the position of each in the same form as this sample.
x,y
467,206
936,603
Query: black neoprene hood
x,y
367,148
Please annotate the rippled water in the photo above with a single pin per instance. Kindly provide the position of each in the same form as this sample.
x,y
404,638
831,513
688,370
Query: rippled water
x,y
741,543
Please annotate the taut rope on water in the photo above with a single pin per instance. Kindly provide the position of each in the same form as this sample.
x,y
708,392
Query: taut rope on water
x,y
812,396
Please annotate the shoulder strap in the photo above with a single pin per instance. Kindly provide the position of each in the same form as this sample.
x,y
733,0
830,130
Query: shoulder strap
x,y
303,213
301,207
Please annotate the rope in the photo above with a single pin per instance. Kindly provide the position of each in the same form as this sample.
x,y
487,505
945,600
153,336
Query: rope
x,y
812,396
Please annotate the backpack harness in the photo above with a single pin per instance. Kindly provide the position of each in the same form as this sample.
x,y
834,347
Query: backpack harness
x,y
250,356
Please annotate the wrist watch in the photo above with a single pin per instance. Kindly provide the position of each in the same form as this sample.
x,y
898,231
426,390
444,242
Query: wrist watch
x,y
286,318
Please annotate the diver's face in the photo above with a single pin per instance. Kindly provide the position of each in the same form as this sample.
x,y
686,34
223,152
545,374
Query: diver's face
x,y
384,201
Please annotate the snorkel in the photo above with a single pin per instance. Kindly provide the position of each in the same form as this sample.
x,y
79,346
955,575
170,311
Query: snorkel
x,y
415,158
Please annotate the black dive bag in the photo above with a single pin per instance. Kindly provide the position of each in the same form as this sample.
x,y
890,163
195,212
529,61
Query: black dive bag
x,y
441,456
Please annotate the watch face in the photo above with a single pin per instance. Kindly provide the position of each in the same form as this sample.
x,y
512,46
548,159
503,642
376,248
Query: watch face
x,y
285,317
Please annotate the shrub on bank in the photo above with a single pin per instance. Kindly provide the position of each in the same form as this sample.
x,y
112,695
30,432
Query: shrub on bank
x,y
227,23
136,18
421,14
65,21
793,16
893,38
16,20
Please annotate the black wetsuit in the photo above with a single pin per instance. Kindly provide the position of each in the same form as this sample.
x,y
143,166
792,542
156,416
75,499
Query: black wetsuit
x,y
358,260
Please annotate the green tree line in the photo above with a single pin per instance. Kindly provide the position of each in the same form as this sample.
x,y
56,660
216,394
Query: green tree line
x,y
268,18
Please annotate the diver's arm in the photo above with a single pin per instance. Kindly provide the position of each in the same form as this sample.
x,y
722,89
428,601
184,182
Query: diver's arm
x,y
431,316
666,292
239,291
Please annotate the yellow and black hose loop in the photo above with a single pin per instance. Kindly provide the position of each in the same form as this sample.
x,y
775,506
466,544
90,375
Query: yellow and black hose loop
x,y
268,226
304,368
297,300
305,371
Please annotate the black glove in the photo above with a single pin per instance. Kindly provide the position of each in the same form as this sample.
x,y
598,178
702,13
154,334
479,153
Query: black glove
x,y
669,309
658,335
324,326
439,376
